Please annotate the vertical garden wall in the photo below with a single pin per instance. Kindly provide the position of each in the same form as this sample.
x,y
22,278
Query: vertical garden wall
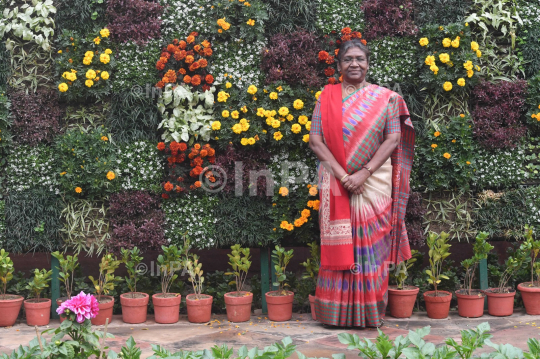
x,y
130,123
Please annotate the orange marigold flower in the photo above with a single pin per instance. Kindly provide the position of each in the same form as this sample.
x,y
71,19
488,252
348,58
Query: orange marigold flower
x,y
330,60
111,175
161,146
313,191
437,134
179,55
331,80
299,222
175,41
168,186
78,189
323,55
160,84
206,88
209,79
196,80
197,161
163,59
160,65
206,43
166,55
197,146
187,79
182,44
165,195
194,33
211,152
208,52
447,155
203,63
182,147
363,41
336,51
182,71
316,205
306,213
284,191
189,59
204,153
197,184
329,72
190,39
197,48
194,66
346,30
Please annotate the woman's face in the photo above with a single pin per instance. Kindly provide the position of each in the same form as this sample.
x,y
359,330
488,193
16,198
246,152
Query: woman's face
x,y
353,65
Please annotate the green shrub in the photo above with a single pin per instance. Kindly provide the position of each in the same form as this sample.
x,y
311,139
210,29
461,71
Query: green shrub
x,y
392,60
335,15
137,67
288,15
440,11
529,46
140,166
32,221
81,15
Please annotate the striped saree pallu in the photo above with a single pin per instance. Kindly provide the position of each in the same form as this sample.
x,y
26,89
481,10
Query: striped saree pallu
x,y
357,295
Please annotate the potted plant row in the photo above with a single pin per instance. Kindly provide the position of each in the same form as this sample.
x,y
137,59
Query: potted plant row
x,y
103,286
238,303
437,301
401,297
530,291
134,304
10,305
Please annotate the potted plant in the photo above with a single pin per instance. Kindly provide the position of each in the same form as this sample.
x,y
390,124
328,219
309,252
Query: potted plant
x,y
312,265
66,275
238,303
501,299
10,305
134,304
437,301
471,301
401,297
38,310
103,286
199,306
280,301
530,291
167,305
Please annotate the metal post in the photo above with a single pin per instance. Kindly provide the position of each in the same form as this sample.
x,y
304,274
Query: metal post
x,y
55,286
265,278
484,278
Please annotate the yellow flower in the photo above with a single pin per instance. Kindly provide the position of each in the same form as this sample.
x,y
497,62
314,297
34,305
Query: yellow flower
x,y
111,175
290,117
434,146
308,126
477,68
283,111
455,43
223,96
216,125
453,141
434,68
228,85
441,28
447,42
317,94
461,82
273,95
235,115
250,22
108,51
437,134
245,126
278,136
470,73
104,138
478,53
284,191
89,54
260,112
468,162
87,61
298,104
90,74
424,41
305,138
89,83
62,173
251,141
273,113
225,113
275,123
466,24
63,87
447,86
444,57
468,65
474,46
296,128
244,109
313,191
306,212
279,88
105,75
244,141
78,189
252,90
462,115
302,120
447,155
237,128
59,51
430,60
104,58
97,40
104,32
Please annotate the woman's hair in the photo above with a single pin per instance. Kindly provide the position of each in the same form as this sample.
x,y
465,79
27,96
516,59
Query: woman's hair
x,y
345,46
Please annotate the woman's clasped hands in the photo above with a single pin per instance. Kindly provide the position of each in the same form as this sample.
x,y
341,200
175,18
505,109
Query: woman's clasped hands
x,y
355,183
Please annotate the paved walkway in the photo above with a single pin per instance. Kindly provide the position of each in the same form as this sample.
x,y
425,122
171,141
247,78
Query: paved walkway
x,y
311,338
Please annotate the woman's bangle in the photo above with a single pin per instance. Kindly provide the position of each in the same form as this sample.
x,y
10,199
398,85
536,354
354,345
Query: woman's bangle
x,y
368,169
342,178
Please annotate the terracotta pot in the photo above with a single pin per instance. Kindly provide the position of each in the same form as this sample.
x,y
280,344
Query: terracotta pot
x,y
10,309
199,310
105,311
531,298
59,302
312,304
470,306
238,307
437,307
166,309
134,309
401,301
279,306
500,304
38,313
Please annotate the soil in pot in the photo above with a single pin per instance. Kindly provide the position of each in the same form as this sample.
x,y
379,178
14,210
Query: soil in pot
x,y
437,306
500,304
199,309
10,306
238,305
166,307
312,305
106,304
470,305
279,306
134,307
38,312
401,301
531,297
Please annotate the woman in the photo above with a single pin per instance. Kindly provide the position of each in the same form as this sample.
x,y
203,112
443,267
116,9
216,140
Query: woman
x,y
364,139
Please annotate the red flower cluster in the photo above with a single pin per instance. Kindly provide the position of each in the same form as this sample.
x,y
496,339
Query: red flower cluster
x,y
184,61
179,175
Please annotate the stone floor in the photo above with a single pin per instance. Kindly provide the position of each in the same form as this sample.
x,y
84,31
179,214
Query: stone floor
x,y
311,337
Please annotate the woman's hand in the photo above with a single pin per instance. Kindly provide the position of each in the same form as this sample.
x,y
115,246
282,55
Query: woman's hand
x,y
355,182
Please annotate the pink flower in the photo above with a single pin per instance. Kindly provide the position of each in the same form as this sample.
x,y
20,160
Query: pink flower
x,y
85,306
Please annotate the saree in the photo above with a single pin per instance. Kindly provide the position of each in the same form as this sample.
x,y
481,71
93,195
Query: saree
x,y
361,234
